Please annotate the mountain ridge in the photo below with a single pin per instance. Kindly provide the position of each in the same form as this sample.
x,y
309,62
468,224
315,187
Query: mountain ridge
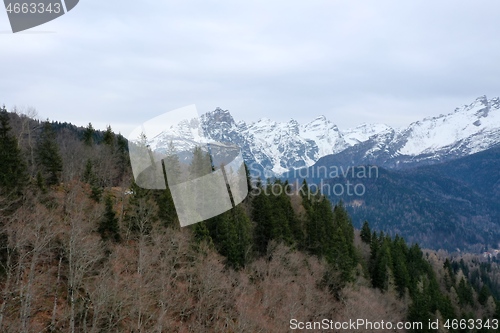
x,y
272,148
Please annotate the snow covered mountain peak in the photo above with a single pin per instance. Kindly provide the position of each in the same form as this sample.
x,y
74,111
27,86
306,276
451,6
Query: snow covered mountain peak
x,y
276,147
479,120
218,116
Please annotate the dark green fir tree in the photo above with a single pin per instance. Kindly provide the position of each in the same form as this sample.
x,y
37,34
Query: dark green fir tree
x,y
13,170
88,135
108,137
108,226
48,157
366,234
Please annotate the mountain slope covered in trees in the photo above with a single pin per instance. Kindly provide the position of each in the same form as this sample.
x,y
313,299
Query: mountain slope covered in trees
x,y
451,205
84,249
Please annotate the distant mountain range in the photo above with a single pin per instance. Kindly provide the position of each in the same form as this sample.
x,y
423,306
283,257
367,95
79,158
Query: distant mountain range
x,y
276,147
469,129
438,180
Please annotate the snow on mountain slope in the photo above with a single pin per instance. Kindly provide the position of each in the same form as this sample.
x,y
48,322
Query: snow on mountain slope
x,y
291,145
184,136
363,132
277,147
469,129
479,119
266,144
325,134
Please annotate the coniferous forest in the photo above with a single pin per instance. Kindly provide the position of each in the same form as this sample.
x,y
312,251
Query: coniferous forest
x,y
84,249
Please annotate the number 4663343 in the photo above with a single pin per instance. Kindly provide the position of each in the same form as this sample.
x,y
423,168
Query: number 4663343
x,y
33,8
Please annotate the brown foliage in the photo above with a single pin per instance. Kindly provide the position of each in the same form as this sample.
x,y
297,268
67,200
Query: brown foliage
x,y
60,276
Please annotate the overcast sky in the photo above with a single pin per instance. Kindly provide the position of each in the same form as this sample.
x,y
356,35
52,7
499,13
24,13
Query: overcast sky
x,y
123,62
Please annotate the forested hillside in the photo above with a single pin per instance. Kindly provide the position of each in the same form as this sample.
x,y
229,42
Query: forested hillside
x,y
84,249
451,205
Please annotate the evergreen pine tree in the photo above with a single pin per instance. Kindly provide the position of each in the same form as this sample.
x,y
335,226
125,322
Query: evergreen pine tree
x,y
464,291
294,223
108,137
108,226
203,196
123,156
399,268
122,144
88,173
88,135
243,227
166,208
13,170
484,294
40,182
329,243
446,307
173,165
419,311
201,233
374,251
339,255
232,235
200,164
263,218
48,156
383,264
282,213
318,226
342,222
366,234
90,178
449,278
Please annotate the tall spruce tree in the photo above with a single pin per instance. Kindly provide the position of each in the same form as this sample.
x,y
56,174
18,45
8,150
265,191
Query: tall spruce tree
x,y
232,235
48,157
201,233
108,137
343,221
399,251
108,226
90,177
282,213
383,263
262,215
200,164
13,170
366,233
345,244
166,208
88,135
329,243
